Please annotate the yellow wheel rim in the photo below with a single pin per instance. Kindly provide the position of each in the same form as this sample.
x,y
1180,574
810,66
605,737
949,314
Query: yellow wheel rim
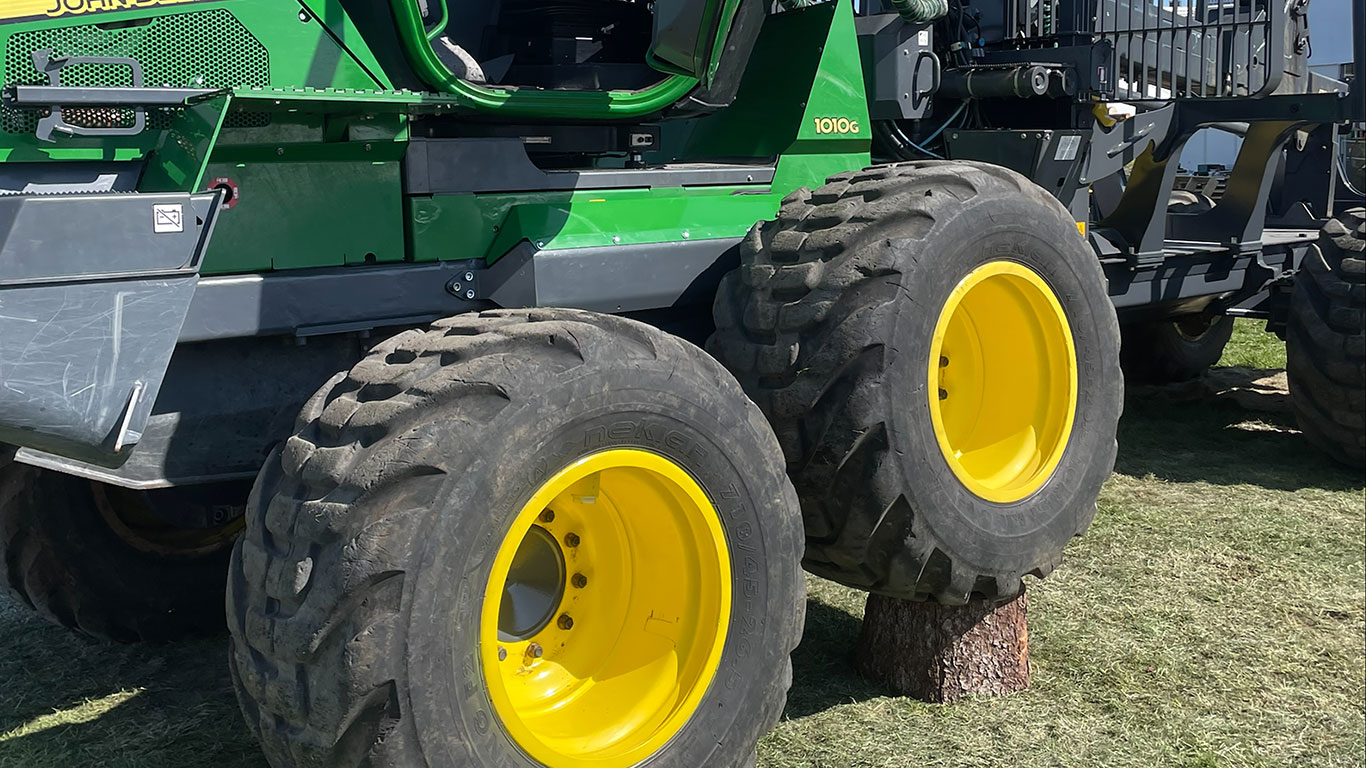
x,y
1002,381
606,611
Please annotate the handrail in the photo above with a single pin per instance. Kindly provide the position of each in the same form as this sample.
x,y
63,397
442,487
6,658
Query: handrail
x,y
610,105
441,25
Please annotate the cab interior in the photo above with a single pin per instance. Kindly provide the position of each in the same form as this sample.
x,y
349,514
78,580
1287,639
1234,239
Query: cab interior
x,y
568,45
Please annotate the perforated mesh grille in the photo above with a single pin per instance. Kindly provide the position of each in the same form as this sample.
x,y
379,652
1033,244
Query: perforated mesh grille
x,y
247,120
208,49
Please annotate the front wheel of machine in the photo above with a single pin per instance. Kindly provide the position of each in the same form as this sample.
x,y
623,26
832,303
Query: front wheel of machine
x,y
517,539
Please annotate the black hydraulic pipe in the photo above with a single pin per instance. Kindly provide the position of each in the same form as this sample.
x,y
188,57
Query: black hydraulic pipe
x,y
1023,82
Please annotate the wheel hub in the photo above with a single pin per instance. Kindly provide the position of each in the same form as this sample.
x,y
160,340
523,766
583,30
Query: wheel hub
x,y
1002,381
606,611
534,587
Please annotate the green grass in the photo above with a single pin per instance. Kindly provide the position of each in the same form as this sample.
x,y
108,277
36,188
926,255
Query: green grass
x,y
1214,615
1252,347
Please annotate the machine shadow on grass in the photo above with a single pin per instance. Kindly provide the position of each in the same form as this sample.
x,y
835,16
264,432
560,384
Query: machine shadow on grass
x,y
823,673
1236,430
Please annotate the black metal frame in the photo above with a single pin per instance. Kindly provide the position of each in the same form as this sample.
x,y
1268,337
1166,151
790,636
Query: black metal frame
x,y
1187,65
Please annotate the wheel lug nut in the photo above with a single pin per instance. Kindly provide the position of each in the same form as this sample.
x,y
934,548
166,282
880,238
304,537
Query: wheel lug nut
x,y
502,654
579,581
943,394
566,622
571,540
535,651
548,516
943,361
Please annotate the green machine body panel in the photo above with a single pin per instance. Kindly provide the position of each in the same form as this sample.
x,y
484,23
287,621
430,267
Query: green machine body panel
x,y
291,142
210,44
312,136
773,121
786,96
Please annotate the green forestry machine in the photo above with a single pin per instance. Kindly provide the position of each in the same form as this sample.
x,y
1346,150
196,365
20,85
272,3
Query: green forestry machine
x,y
385,319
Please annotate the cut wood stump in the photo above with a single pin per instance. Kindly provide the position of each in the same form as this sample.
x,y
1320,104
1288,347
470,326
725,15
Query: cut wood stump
x,y
943,653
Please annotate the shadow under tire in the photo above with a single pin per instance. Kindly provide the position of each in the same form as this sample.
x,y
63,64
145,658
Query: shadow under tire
x,y
1173,350
94,559
831,324
368,626
1326,341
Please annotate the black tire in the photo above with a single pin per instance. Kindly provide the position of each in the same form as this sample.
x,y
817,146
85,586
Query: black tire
x,y
1172,350
826,324
1326,341
70,550
370,535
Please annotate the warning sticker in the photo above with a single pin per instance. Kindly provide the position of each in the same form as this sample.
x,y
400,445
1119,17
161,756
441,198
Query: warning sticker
x,y
1067,148
27,10
168,218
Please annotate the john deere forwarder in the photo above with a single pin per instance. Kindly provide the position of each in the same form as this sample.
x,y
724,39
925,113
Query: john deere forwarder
x,y
424,270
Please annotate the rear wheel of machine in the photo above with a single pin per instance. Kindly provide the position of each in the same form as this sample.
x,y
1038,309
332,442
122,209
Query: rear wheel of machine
x,y
100,560
935,348
1172,350
534,538
1326,341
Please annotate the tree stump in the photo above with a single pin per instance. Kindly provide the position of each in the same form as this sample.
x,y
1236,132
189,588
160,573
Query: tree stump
x,y
942,653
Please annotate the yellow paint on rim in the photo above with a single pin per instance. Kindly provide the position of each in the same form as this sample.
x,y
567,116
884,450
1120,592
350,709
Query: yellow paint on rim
x,y
622,662
1002,381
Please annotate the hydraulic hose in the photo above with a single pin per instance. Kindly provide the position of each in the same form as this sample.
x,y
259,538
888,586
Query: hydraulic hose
x,y
913,11
921,11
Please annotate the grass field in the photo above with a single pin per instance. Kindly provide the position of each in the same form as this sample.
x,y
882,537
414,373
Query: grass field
x,y
1213,616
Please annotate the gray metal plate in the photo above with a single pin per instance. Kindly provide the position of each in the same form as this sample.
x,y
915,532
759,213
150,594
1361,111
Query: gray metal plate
x,y
63,237
72,356
93,292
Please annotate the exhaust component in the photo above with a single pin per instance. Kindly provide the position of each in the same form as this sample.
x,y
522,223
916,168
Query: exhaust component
x,y
1026,81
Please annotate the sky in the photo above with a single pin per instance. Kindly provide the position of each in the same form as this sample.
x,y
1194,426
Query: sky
x,y
1330,31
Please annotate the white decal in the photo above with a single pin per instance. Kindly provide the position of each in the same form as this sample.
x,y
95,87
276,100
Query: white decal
x,y
1067,147
168,218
